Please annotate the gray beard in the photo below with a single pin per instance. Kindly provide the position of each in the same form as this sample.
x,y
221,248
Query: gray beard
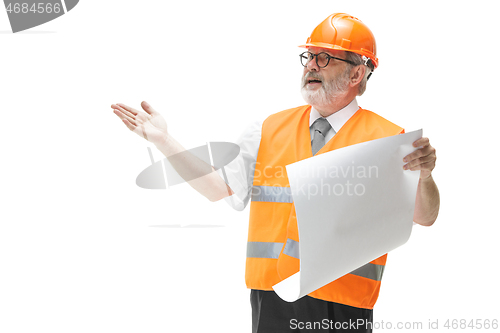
x,y
329,91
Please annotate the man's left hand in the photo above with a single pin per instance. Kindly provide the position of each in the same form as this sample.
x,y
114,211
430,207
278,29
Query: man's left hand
x,y
423,159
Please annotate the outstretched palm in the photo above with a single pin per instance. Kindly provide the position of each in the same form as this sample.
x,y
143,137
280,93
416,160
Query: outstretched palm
x,y
149,125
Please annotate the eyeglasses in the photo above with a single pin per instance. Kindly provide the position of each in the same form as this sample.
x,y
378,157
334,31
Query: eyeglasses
x,y
322,59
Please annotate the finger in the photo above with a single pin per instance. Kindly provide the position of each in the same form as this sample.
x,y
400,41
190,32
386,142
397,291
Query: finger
x,y
428,150
122,110
123,116
425,166
128,108
125,112
129,125
416,154
422,142
421,160
148,108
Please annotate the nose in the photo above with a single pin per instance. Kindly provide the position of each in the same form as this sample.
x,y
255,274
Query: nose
x,y
312,65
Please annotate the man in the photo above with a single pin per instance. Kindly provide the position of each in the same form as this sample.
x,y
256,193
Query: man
x,y
340,56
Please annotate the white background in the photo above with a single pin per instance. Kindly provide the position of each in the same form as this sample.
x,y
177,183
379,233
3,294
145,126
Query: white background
x,y
83,249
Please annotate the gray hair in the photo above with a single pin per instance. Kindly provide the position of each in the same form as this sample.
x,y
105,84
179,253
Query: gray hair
x,y
358,60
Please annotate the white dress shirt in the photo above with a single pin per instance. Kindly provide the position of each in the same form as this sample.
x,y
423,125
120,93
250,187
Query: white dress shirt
x,y
336,120
241,170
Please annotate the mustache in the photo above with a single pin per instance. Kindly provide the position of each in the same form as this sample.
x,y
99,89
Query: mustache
x,y
311,75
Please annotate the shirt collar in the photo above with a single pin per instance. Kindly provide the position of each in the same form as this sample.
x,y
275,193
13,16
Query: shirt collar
x,y
337,119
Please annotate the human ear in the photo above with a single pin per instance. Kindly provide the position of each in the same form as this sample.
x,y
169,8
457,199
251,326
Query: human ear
x,y
357,74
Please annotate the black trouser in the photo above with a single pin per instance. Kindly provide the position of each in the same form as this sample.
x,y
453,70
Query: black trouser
x,y
270,314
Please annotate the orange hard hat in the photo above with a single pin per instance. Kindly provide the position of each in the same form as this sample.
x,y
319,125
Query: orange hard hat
x,y
345,32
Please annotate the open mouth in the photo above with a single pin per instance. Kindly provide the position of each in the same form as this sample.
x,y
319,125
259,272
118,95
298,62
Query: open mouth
x,y
313,82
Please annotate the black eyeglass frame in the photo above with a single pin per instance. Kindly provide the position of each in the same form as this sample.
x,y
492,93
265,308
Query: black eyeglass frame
x,y
327,56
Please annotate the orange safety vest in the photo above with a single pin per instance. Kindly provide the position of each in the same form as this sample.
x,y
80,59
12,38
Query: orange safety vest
x,y
272,249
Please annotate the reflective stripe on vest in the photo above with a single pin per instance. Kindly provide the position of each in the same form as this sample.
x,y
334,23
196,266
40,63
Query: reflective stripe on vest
x,y
269,250
272,194
292,248
370,271
272,250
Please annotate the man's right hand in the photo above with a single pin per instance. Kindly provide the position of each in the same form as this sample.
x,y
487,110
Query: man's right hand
x,y
149,125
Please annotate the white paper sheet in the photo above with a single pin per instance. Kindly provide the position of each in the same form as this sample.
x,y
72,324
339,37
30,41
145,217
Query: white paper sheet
x,y
353,205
